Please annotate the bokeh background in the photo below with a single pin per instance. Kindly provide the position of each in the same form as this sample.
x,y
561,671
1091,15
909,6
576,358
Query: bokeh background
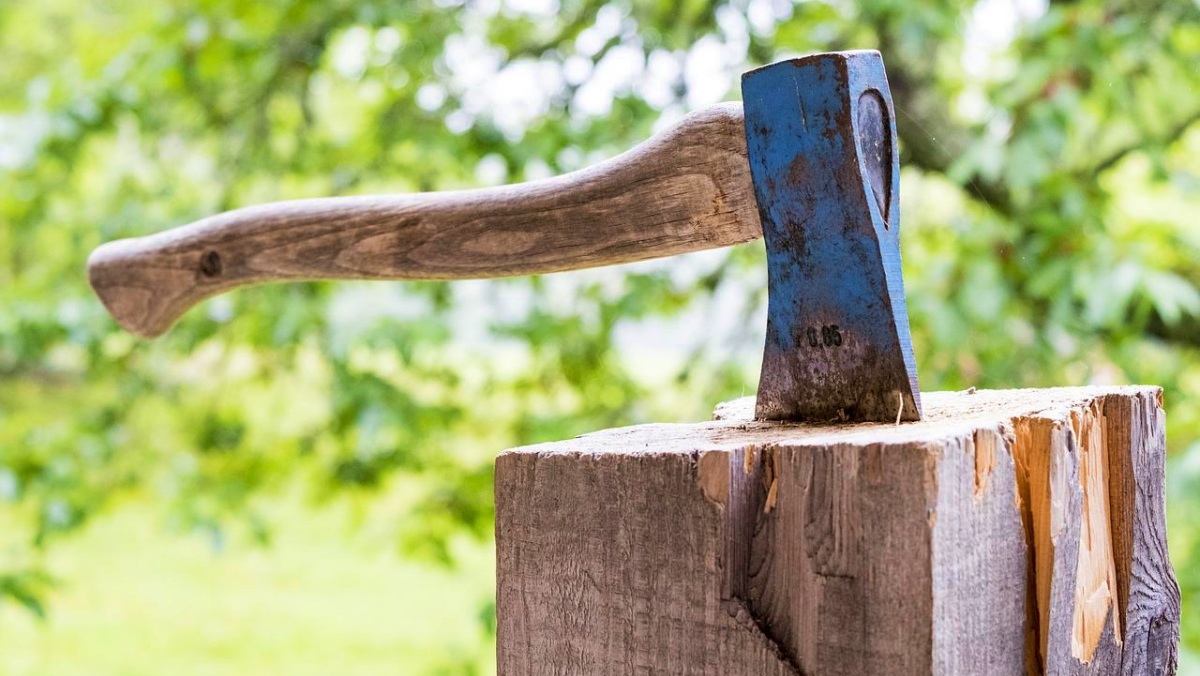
x,y
297,479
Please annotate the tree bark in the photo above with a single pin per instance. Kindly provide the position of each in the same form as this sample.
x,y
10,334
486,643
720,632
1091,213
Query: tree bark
x,y
1009,532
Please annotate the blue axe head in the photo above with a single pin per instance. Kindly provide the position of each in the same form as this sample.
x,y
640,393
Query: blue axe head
x,y
821,141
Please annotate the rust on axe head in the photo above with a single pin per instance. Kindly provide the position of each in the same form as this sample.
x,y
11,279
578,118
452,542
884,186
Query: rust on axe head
x,y
821,135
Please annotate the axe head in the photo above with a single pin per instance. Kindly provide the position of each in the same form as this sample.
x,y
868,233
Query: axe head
x,y
821,137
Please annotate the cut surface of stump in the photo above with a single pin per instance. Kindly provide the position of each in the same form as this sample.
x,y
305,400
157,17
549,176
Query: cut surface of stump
x,y
1009,532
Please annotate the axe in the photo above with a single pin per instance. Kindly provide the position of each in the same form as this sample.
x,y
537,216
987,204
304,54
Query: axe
x,y
808,162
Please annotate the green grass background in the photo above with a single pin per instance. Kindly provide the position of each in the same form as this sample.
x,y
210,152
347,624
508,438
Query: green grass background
x,y
135,600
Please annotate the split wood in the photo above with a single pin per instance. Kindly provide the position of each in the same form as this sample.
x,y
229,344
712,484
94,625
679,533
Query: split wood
x,y
1009,532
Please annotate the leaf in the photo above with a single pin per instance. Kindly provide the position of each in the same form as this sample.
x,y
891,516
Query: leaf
x,y
1172,296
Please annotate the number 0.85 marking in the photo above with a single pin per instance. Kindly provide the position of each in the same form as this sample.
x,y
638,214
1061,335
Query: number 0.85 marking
x,y
826,336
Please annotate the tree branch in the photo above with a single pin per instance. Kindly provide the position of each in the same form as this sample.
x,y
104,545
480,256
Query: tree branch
x,y
1185,332
574,25
1171,136
932,139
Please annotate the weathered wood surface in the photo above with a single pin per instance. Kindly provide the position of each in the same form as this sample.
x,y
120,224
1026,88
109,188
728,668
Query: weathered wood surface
x,y
686,189
1009,532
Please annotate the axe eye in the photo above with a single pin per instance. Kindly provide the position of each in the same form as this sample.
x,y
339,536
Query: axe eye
x,y
875,148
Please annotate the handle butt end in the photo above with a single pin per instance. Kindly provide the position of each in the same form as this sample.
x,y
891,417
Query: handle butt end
x,y
144,299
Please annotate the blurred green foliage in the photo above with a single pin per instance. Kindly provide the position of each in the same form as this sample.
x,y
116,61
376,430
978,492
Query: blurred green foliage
x,y
1050,187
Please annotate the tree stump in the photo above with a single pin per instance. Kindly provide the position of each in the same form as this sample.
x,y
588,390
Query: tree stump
x,y
1009,532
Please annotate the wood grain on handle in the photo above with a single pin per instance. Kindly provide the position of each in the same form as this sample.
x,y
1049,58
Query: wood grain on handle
x,y
686,189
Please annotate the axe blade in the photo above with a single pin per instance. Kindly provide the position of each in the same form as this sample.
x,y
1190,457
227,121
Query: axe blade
x,y
821,140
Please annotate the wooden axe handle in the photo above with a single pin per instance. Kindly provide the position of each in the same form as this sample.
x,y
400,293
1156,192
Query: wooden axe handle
x,y
686,189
